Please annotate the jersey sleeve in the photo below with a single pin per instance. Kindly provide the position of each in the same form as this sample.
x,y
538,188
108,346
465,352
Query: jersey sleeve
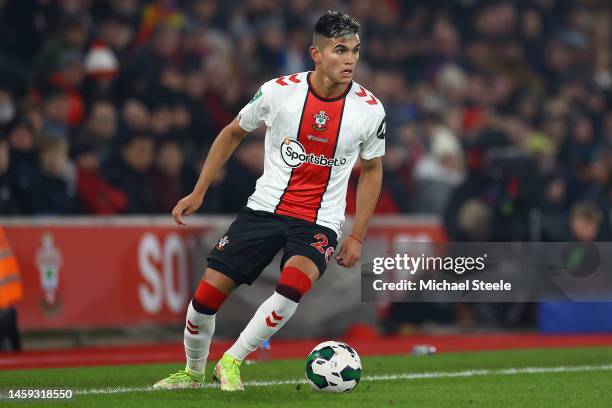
x,y
257,111
374,144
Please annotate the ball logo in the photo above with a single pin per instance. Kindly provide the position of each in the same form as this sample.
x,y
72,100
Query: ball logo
x,y
291,152
294,155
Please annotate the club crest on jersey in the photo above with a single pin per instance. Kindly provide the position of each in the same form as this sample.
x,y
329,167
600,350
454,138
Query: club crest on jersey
x,y
320,119
222,243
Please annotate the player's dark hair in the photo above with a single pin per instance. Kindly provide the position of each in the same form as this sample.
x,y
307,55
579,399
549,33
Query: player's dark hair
x,y
336,24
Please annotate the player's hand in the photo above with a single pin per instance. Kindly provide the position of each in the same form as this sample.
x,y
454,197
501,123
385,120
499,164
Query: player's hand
x,y
186,206
350,253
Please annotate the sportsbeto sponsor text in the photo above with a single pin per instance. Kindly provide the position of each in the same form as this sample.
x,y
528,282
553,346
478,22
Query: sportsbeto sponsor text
x,y
320,160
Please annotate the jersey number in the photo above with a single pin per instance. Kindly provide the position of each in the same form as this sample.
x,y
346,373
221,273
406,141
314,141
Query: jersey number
x,y
321,243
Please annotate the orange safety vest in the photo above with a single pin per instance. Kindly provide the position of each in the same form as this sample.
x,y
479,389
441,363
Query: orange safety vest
x,y
10,283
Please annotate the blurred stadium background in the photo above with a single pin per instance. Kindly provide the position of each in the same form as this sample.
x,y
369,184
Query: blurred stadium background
x,y
499,128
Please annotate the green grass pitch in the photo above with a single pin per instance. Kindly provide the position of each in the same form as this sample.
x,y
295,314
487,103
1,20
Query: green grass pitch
x,y
576,377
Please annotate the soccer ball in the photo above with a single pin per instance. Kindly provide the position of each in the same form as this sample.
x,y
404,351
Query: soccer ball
x,y
333,366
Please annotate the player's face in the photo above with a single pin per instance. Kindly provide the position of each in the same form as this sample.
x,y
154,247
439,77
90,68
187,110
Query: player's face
x,y
339,57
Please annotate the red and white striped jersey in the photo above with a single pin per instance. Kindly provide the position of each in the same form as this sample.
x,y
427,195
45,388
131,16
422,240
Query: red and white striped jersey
x,y
311,145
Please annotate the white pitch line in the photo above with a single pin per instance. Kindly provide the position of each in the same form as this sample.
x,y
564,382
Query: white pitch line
x,y
388,377
118,357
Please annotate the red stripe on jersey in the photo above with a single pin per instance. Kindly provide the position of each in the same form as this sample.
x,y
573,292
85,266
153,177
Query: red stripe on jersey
x,y
308,182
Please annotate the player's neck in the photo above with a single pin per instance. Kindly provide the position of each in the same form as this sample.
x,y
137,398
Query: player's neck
x,y
324,87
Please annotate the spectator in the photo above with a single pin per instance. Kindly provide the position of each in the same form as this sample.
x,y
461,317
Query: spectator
x,y
24,28
201,129
55,113
554,206
101,68
135,118
144,69
171,179
100,128
129,172
71,37
9,202
437,174
95,195
53,195
67,80
117,32
586,223
242,172
8,111
23,168
162,119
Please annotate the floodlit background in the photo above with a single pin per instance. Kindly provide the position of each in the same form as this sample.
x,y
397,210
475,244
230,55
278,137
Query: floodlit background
x,y
499,128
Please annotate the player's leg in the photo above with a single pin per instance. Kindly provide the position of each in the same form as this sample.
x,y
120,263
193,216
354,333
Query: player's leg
x,y
296,279
239,257
212,291
247,247
307,251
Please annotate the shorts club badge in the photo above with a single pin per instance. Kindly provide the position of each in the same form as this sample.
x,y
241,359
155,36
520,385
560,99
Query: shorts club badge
x,y
222,243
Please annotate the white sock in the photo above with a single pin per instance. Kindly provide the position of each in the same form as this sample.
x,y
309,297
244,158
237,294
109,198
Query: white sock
x,y
268,319
198,342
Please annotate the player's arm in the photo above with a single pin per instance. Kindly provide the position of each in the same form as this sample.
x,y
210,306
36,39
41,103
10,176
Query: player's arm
x,y
368,189
222,148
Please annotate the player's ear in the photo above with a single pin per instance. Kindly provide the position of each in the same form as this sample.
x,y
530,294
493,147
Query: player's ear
x,y
315,53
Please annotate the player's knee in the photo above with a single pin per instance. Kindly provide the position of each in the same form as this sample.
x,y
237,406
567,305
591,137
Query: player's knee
x,y
207,298
293,283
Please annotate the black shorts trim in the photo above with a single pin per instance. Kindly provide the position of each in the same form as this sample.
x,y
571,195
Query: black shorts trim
x,y
315,258
227,270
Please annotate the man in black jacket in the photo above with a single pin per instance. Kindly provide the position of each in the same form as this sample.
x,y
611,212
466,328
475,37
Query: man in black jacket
x,y
130,172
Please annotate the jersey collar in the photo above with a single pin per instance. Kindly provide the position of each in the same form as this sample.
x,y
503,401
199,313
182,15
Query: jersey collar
x,y
342,95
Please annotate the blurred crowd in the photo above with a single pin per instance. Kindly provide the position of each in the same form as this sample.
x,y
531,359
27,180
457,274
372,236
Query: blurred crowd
x,y
499,113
